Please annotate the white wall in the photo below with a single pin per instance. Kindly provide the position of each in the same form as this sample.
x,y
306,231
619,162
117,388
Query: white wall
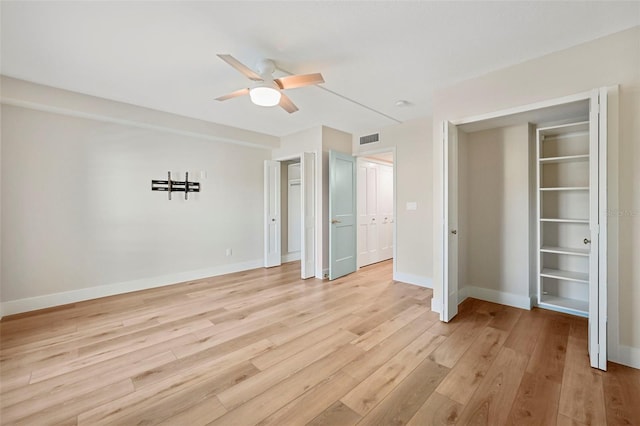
x,y
413,162
611,60
494,207
80,218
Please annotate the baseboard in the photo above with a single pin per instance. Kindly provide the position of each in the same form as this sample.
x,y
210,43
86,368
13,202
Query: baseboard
x,y
418,280
625,355
56,299
495,296
290,257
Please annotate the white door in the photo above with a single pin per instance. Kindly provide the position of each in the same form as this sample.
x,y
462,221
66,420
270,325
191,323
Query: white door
x,y
367,212
450,219
272,246
598,225
342,214
308,216
385,211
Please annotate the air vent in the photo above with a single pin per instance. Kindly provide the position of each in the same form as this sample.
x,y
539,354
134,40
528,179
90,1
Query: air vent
x,y
369,139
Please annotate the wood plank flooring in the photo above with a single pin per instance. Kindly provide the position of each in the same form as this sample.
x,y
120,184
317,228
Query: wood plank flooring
x,y
264,347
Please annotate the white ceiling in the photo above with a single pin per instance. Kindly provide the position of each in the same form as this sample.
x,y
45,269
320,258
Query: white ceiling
x,y
162,55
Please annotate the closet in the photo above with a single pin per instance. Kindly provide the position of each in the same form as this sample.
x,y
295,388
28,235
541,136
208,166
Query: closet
x,y
375,210
525,199
291,228
293,208
564,237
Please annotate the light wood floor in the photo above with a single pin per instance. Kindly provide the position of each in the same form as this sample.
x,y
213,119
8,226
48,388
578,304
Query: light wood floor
x,y
264,347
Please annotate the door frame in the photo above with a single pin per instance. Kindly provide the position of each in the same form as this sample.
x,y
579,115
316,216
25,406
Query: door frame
x,y
392,150
318,208
598,348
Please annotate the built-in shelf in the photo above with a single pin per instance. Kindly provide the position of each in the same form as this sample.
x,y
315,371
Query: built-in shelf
x,y
559,220
566,130
566,188
566,305
563,187
580,277
564,159
564,250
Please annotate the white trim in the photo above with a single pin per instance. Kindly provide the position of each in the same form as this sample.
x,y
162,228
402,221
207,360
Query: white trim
x,y
436,305
603,256
524,108
418,280
138,124
291,257
495,296
625,355
56,299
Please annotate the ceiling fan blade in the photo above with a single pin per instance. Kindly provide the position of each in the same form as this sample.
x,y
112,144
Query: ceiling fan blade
x,y
293,81
286,104
248,72
235,94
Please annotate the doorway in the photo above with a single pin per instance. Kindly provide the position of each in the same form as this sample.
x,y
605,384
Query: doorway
x,y
375,207
290,212
564,156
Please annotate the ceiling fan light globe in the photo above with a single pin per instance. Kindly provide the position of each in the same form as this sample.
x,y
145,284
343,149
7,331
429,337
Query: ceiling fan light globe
x,y
265,96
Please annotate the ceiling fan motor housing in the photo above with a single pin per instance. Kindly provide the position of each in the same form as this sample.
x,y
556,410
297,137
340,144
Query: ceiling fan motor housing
x,y
266,67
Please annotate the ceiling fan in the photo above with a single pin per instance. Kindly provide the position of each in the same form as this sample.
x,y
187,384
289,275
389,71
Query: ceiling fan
x,y
267,91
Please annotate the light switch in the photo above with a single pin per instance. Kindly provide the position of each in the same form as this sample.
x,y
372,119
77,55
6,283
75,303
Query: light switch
x,y
412,205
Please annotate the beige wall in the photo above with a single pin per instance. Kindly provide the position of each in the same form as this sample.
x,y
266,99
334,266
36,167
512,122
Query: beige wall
x,y
494,207
607,61
82,221
412,142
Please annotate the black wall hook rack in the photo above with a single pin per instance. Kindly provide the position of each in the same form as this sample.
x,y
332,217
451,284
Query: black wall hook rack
x,y
175,185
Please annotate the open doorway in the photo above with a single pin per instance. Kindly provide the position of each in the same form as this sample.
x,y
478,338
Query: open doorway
x,y
290,219
525,191
375,208
291,208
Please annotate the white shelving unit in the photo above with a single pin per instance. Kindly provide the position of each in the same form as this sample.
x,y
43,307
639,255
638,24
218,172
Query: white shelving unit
x,y
563,194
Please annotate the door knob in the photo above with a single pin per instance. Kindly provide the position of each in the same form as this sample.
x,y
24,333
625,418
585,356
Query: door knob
x,y
586,241
454,232
335,221
273,220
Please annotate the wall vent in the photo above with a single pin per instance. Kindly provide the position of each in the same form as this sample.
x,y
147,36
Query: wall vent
x,y
370,139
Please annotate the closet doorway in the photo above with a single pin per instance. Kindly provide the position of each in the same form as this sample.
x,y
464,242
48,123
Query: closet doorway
x,y
290,212
524,210
375,208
